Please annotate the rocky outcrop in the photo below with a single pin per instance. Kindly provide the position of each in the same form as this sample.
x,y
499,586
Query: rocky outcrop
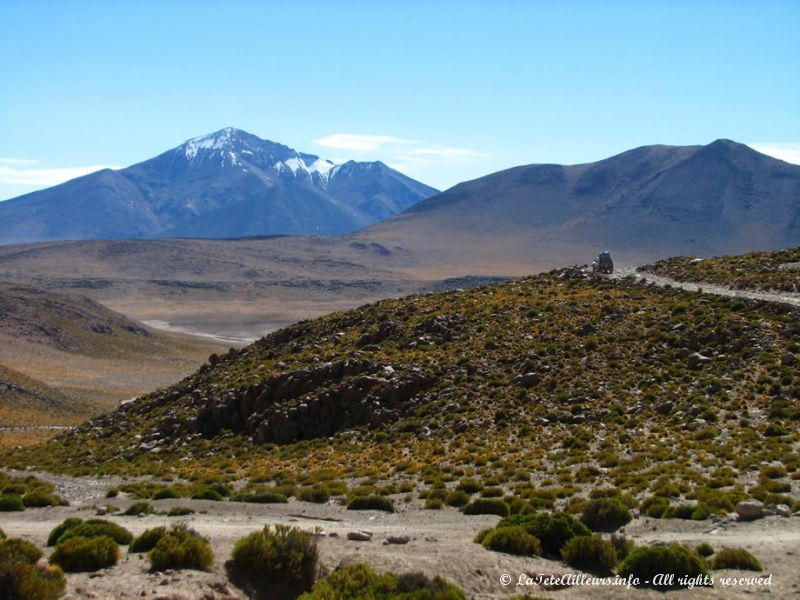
x,y
306,403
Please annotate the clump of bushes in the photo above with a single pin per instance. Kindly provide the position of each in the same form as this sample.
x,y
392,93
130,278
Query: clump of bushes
x,y
165,493
139,508
645,562
264,498
72,528
590,553
604,514
360,582
553,530
39,498
279,562
705,550
59,530
180,511
181,548
371,503
147,540
318,495
207,494
21,578
85,553
10,503
735,558
487,506
511,540
457,498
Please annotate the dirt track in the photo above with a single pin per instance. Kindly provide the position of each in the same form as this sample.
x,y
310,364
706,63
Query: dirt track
x,y
709,288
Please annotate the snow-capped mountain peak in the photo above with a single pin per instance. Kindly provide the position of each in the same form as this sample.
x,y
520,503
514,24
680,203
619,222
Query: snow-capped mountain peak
x,y
219,140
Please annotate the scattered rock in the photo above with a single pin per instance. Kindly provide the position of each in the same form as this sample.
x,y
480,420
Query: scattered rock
x,y
359,536
527,380
398,539
749,510
696,361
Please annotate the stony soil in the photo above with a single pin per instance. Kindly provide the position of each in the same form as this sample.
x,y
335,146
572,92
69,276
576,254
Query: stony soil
x,y
441,543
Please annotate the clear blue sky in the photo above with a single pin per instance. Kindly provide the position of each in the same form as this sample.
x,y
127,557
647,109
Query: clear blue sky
x,y
444,90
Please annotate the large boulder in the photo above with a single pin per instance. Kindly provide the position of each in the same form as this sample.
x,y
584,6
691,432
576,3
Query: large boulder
x,y
749,510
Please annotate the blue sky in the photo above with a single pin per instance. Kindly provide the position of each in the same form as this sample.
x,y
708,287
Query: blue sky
x,y
443,90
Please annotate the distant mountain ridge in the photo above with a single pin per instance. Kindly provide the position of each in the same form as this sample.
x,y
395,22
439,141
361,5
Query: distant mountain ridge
x,y
226,184
646,203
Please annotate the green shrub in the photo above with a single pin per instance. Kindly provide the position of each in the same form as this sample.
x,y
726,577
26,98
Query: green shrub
x,y
20,549
10,502
705,550
486,506
21,578
147,540
279,562
38,499
371,503
265,498
646,562
139,508
85,554
491,492
2,535
59,530
735,558
590,553
181,548
317,495
552,529
605,515
512,540
622,545
207,494
655,506
180,511
360,582
96,528
470,486
433,503
775,430
165,493
457,498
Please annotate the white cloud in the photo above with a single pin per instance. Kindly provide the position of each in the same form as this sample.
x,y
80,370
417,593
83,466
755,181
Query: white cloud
x,y
397,151
359,142
788,151
19,171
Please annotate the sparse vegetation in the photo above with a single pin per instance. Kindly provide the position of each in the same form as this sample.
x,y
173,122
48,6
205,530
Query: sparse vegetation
x,y
147,540
181,548
735,558
646,562
605,514
72,527
590,553
371,503
486,506
360,582
21,578
511,540
85,553
275,562
553,530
